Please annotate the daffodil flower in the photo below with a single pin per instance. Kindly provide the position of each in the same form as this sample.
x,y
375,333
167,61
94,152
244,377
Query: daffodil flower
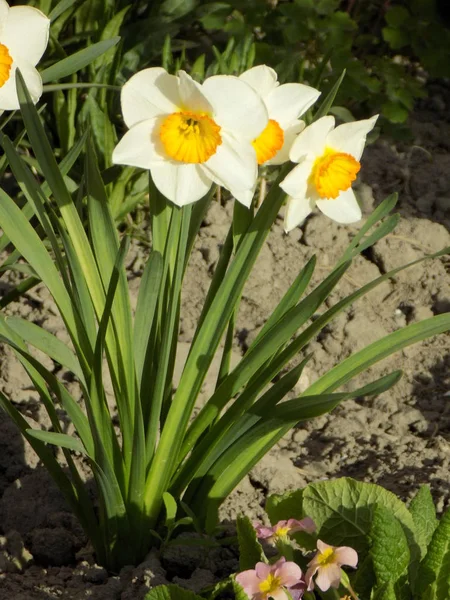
x,y
326,565
272,581
285,104
24,32
328,160
190,135
283,529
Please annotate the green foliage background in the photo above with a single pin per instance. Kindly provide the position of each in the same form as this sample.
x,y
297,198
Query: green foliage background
x,y
383,44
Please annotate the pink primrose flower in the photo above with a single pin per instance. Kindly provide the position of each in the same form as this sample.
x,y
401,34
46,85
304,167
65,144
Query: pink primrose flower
x,y
327,564
272,581
283,528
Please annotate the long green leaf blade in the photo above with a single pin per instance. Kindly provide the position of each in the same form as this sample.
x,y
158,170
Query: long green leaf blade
x,y
76,62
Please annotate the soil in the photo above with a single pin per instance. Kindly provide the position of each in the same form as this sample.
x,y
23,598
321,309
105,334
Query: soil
x,y
399,439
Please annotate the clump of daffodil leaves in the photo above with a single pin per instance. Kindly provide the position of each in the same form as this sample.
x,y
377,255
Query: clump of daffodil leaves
x,y
157,461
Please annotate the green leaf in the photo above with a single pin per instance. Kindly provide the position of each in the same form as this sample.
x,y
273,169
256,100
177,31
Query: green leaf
x,y
47,342
60,8
285,506
79,60
389,548
110,31
395,112
174,9
433,580
58,439
360,361
396,38
327,103
396,15
424,516
290,299
149,290
385,592
171,592
250,550
17,228
343,510
46,159
171,509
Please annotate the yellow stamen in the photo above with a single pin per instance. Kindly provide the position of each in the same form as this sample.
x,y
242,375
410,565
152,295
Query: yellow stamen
x,y
190,137
282,531
268,142
333,173
327,557
270,584
5,64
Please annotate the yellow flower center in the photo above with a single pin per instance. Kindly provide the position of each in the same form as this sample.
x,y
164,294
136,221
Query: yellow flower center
x,y
327,557
5,64
333,173
190,137
270,584
282,531
268,142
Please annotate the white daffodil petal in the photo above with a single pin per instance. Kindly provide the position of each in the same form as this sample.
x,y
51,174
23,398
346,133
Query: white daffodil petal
x,y
290,134
263,79
140,146
180,183
4,9
351,137
297,209
295,183
237,107
244,197
33,80
25,33
191,95
288,102
344,209
234,165
312,140
149,93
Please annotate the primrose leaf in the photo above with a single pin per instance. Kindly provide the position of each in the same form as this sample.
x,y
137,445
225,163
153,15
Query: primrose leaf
x,y
343,511
171,592
250,550
385,592
433,581
424,516
238,590
389,550
281,507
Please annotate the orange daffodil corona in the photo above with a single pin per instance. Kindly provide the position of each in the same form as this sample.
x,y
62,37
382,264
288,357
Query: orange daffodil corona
x,y
24,33
328,163
190,135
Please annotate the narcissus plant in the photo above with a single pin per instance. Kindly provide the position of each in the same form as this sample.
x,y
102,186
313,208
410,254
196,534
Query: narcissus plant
x,y
24,33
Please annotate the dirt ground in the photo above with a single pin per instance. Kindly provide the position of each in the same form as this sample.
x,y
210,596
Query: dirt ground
x,y
399,439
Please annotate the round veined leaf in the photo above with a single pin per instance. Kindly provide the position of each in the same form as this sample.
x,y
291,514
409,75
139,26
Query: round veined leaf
x,y
343,511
